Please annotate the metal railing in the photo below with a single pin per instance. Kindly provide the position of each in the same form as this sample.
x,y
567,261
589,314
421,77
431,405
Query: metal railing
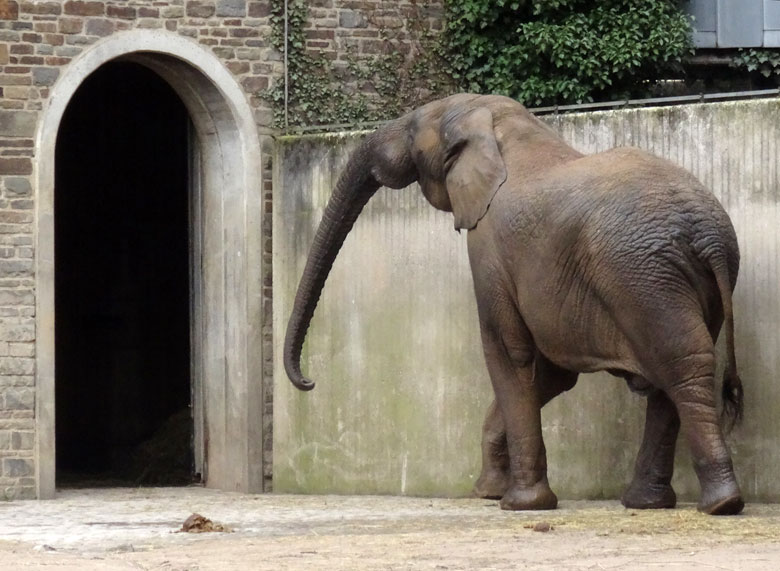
x,y
659,101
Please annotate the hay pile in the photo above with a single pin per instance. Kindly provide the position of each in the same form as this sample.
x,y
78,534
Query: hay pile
x,y
756,522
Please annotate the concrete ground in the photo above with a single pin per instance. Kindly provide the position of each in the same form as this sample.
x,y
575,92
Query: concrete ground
x,y
123,528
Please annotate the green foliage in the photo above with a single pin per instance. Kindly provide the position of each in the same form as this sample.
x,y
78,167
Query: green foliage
x,y
308,75
765,62
540,52
359,88
545,52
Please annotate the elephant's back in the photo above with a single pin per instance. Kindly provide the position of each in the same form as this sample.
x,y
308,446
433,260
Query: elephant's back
x,y
645,208
623,210
629,195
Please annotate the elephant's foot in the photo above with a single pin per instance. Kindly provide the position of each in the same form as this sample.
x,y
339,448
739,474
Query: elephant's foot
x,y
720,493
648,496
726,506
492,484
536,497
724,499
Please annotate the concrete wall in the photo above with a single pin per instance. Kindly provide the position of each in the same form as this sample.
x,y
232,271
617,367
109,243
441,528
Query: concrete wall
x,y
394,344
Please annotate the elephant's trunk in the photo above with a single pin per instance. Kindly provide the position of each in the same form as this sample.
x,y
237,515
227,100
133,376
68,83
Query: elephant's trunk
x,y
353,190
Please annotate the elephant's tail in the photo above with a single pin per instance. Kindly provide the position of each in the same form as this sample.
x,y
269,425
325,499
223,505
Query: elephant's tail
x,y
732,392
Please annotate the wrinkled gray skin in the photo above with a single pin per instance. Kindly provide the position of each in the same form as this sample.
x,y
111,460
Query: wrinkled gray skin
x,y
618,261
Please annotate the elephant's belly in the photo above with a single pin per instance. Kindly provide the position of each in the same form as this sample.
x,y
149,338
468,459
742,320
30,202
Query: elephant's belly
x,y
585,344
591,363
637,384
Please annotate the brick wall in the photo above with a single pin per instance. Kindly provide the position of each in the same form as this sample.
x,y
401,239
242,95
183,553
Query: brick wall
x,y
368,26
38,39
348,31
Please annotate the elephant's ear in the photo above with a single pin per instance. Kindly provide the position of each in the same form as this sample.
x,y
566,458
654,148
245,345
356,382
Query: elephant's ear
x,y
473,165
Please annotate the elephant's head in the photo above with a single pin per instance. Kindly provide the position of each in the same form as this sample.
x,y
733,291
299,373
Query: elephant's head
x,y
449,146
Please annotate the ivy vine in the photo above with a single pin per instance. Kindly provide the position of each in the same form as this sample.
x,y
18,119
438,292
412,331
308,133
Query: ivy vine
x,y
359,87
765,61
539,52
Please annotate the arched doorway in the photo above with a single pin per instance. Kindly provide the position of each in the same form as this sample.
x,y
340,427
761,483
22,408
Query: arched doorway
x,y
122,275
225,236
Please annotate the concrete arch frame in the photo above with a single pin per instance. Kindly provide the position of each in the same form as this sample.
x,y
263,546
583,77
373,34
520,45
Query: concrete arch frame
x,y
226,220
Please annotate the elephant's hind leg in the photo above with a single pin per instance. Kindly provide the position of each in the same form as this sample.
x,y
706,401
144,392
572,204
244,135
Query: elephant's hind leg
x,y
688,379
651,487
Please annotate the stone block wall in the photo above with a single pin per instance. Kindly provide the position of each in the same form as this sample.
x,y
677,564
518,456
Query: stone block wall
x,y
38,40
367,27
362,33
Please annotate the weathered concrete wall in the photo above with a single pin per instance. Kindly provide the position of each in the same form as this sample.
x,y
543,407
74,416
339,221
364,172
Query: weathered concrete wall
x,y
399,365
395,346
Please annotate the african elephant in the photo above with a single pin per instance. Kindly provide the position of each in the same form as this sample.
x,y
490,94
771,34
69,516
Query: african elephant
x,y
618,261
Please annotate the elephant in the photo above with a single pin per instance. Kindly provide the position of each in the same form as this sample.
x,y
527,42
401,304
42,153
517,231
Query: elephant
x,y
618,261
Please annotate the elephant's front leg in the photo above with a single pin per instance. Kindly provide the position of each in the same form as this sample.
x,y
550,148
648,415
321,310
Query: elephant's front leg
x,y
651,487
510,362
493,481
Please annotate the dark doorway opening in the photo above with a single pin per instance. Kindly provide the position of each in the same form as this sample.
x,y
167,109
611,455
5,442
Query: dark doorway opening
x,y
122,279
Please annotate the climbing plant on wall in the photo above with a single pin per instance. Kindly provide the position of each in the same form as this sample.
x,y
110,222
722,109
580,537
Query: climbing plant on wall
x,y
765,62
564,51
537,51
357,87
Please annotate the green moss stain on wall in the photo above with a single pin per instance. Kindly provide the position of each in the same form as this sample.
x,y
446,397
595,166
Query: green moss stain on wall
x,y
400,397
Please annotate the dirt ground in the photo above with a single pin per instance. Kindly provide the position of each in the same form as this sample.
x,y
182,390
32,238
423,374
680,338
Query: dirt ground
x,y
138,529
